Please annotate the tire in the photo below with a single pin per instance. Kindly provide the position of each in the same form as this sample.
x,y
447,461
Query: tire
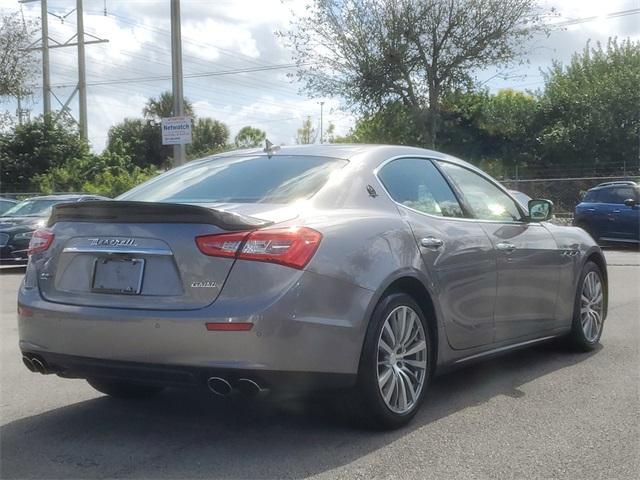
x,y
584,335
367,404
120,389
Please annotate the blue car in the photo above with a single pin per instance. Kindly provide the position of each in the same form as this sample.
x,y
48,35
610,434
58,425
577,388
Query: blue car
x,y
610,212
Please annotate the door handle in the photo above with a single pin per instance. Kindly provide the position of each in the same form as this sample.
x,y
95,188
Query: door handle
x,y
591,209
506,247
431,243
616,211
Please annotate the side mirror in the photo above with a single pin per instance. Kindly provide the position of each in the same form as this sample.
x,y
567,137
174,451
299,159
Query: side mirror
x,y
630,202
540,210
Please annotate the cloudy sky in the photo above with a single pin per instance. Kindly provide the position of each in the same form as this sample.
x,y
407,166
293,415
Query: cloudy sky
x,y
222,36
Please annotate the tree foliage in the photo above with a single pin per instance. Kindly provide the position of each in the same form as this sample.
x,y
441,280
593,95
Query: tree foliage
x,y
162,106
36,147
141,140
17,68
590,108
249,137
307,133
209,136
375,53
110,173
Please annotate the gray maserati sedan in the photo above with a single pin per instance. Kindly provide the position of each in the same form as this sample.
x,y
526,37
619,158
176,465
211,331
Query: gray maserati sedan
x,y
362,269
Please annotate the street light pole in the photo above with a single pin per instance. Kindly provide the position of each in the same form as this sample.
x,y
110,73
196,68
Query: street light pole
x,y
176,72
46,79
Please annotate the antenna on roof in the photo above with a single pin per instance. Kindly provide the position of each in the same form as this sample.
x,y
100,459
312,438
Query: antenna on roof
x,y
270,148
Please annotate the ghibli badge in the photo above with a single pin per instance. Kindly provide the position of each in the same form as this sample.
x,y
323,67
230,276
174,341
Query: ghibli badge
x,y
205,284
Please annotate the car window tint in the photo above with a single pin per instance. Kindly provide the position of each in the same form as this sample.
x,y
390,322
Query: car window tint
x,y
591,197
417,183
235,179
624,193
486,200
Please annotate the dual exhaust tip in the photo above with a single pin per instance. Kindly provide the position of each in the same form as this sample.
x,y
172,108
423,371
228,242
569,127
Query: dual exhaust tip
x,y
223,388
34,364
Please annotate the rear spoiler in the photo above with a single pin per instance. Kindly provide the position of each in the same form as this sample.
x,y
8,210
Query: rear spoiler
x,y
115,211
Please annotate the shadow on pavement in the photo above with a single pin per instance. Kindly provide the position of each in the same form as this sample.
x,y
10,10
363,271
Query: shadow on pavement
x,y
184,434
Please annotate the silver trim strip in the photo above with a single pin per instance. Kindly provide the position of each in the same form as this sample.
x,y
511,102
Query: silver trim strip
x,y
504,349
121,251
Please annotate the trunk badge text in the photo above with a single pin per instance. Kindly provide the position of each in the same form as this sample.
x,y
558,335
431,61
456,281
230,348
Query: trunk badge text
x,y
113,242
204,285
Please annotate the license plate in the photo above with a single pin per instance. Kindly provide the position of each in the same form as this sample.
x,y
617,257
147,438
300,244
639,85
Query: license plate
x,y
118,275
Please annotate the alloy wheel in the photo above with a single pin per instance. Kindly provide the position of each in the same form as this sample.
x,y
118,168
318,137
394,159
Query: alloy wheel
x,y
402,359
591,302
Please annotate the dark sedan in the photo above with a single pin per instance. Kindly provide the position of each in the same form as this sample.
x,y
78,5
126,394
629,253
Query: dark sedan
x,y
19,222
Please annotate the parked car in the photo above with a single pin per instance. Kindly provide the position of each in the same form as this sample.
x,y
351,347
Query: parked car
x,y
6,204
19,222
364,269
610,212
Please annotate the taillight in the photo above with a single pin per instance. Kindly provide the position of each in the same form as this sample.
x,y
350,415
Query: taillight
x,y
292,247
40,241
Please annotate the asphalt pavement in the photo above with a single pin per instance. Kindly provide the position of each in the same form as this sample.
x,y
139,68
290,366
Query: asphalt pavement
x,y
540,413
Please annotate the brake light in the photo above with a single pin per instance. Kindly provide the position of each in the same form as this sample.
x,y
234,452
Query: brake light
x,y
293,247
40,241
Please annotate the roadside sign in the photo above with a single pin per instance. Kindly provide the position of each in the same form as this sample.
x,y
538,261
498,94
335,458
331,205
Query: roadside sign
x,y
176,130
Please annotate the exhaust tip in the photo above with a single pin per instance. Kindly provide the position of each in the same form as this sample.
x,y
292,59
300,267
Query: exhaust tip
x,y
249,387
38,365
219,386
28,363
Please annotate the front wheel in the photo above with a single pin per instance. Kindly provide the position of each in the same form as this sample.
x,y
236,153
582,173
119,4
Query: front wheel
x,y
395,366
588,315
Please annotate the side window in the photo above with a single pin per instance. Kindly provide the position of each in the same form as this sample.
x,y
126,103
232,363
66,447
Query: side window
x,y
616,194
417,183
486,200
592,196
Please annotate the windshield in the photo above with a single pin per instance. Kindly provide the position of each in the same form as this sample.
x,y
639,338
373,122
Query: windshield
x,y
31,208
253,179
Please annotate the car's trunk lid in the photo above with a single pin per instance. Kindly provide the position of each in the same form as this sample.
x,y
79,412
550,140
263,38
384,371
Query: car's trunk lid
x,y
138,255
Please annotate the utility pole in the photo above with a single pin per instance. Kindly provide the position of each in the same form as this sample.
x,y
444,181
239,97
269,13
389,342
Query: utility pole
x,y
176,72
82,73
321,120
45,46
46,79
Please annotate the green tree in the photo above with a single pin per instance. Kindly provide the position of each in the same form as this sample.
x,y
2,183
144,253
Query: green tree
x,y
589,110
374,53
141,140
307,133
110,173
17,68
209,136
249,137
162,106
35,147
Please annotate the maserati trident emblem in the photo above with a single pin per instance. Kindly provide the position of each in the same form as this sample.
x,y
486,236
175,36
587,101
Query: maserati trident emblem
x,y
113,242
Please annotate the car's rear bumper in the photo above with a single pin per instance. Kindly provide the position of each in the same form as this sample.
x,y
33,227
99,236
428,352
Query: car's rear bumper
x,y
181,376
318,325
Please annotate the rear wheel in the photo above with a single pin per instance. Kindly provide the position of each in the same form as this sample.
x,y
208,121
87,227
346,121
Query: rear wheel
x,y
395,366
588,315
120,389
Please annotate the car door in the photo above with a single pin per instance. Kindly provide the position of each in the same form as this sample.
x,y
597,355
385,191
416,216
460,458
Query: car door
x,y
457,254
527,257
624,220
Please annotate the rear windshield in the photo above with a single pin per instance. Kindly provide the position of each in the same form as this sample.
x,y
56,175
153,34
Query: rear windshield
x,y
254,179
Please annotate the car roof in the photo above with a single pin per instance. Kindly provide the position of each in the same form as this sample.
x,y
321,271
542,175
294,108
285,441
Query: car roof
x,y
346,151
621,183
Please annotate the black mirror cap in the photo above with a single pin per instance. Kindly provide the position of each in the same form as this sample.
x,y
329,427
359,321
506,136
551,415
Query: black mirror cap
x,y
630,202
540,210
